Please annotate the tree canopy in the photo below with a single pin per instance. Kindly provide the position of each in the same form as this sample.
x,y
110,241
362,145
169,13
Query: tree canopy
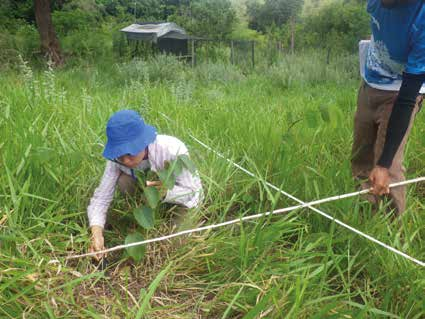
x,y
272,12
89,28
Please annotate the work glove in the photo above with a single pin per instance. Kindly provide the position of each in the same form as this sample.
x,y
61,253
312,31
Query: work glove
x,y
97,241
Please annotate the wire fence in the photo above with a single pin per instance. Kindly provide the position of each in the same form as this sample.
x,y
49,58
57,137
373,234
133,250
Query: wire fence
x,y
244,53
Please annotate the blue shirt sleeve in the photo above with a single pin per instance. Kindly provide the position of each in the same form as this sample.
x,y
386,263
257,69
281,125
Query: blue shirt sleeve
x,y
416,59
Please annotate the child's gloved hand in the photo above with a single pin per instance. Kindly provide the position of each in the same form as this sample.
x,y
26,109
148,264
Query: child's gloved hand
x,y
97,241
159,186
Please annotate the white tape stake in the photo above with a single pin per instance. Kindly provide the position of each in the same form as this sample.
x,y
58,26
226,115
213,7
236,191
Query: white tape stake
x,y
376,241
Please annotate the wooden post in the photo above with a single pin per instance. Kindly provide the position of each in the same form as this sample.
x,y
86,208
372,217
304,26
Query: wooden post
x,y
252,53
328,57
120,50
232,57
292,35
193,52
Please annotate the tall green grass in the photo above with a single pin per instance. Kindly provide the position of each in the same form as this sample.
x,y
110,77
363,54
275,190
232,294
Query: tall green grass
x,y
290,123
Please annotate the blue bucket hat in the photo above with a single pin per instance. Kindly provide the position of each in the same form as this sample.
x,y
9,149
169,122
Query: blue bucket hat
x,y
127,134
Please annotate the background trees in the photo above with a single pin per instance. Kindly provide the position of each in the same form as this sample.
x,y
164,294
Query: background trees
x,y
87,29
272,12
206,18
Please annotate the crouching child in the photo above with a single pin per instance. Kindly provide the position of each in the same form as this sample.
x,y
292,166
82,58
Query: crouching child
x,y
133,146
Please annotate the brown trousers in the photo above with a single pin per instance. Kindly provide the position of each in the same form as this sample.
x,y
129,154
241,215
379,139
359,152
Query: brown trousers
x,y
127,184
370,126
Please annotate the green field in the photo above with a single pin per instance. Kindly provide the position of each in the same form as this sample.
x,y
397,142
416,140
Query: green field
x,y
290,123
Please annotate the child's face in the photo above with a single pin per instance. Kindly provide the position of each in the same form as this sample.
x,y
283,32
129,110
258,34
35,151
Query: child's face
x,y
132,161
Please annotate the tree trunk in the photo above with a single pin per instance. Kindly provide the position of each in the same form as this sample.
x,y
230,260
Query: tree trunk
x,y
49,42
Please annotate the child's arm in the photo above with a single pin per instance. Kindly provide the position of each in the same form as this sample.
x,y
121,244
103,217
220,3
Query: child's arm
x,y
103,195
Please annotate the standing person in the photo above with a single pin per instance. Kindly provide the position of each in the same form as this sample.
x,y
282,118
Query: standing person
x,y
389,97
134,145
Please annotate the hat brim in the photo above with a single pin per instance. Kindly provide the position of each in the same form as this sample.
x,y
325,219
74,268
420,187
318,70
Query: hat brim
x,y
133,147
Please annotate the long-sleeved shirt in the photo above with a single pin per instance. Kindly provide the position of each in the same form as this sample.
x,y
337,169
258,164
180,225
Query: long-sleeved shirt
x,y
395,60
187,190
394,85
397,43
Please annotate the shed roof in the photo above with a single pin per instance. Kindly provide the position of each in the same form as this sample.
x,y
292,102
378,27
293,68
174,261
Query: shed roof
x,y
154,31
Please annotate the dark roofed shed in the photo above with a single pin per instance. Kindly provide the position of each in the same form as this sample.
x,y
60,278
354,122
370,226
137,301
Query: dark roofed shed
x,y
169,37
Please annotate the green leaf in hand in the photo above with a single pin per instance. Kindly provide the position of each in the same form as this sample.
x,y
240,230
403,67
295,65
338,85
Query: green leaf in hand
x,y
151,176
136,252
187,163
167,178
141,177
176,167
144,216
152,196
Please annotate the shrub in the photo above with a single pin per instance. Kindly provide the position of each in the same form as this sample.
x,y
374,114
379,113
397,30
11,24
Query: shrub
x,y
23,40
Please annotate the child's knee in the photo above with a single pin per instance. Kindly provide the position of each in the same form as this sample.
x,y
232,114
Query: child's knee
x,y
127,184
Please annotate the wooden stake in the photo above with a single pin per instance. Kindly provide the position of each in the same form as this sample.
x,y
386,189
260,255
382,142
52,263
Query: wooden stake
x,y
252,53
232,57
193,52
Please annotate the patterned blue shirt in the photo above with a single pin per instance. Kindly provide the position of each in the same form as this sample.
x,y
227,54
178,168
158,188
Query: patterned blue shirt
x,y
397,44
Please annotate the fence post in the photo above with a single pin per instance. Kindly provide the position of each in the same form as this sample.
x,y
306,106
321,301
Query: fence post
x,y
193,52
252,53
328,56
292,35
232,57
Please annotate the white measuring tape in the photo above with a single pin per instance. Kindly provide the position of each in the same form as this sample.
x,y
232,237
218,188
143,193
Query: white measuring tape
x,y
309,205
257,216
275,212
421,263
